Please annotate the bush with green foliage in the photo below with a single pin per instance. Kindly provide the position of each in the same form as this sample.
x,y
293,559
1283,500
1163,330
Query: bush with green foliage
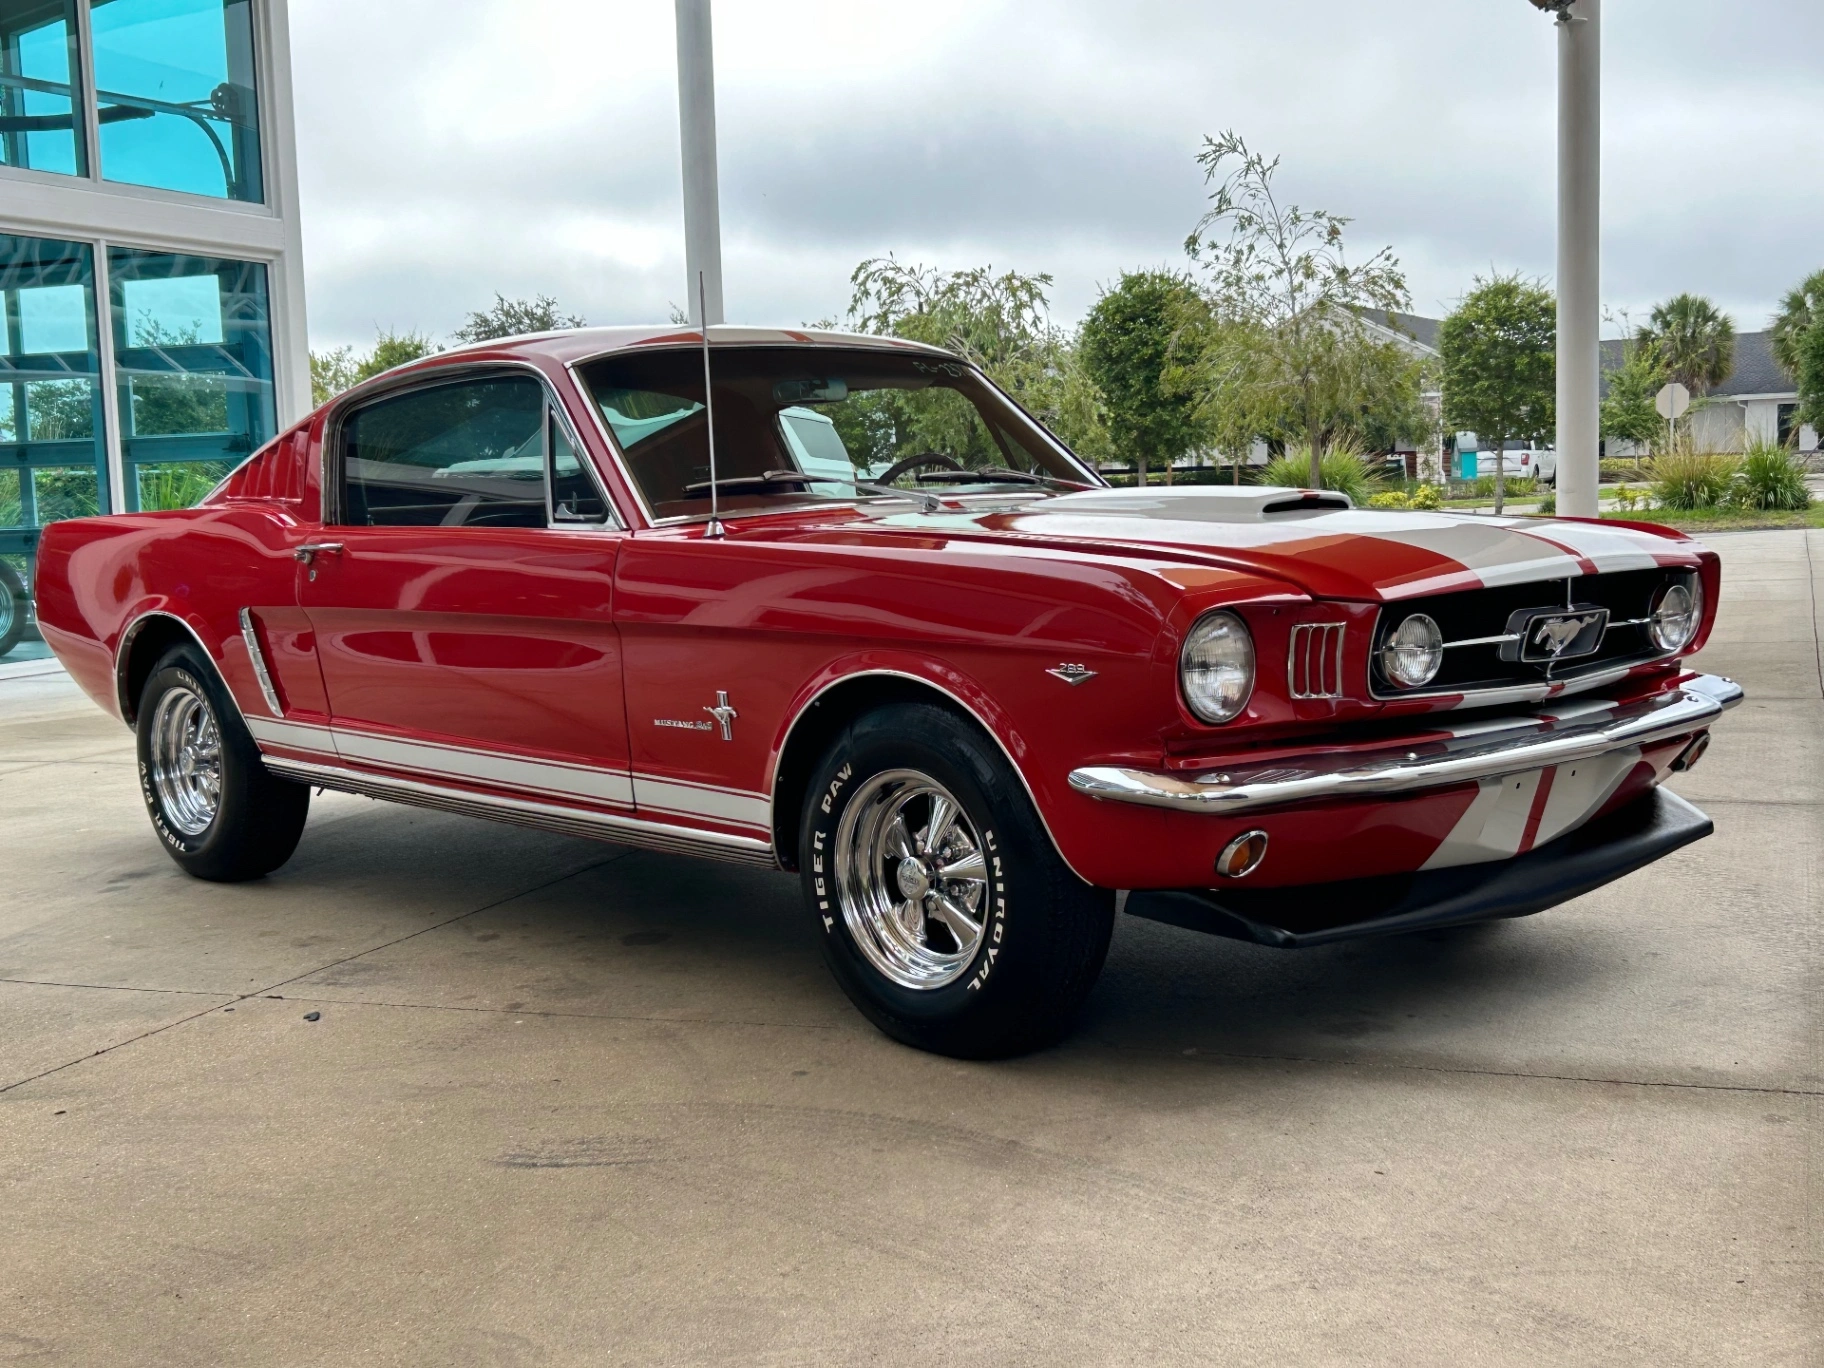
x,y
1390,498
1770,477
1613,469
1341,466
1427,498
1548,506
1685,479
1518,487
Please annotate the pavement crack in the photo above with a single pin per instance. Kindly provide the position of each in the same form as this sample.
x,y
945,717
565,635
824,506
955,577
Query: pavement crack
x,y
121,988
1462,1069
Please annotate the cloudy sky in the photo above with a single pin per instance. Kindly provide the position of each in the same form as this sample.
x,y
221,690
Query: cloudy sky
x,y
452,148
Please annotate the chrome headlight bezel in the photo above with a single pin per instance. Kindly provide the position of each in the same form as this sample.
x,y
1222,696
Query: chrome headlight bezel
x,y
1412,661
1690,616
1217,667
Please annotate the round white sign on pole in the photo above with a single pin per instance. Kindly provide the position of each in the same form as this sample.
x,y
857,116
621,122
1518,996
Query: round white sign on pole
x,y
1672,401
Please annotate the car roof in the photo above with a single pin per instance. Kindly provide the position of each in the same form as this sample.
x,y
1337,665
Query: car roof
x,y
581,344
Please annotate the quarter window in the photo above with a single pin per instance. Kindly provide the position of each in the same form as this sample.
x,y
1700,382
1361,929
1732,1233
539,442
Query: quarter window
x,y
466,454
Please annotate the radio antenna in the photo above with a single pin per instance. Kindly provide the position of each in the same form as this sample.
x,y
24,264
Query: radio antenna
x,y
715,528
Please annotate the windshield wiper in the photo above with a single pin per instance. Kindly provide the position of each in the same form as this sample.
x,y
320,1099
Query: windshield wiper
x,y
998,475
929,503
771,477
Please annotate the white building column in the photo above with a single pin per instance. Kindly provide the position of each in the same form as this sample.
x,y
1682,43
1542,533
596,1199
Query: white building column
x,y
1579,256
697,123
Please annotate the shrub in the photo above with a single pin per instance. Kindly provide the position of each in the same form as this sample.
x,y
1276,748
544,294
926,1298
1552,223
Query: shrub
x,y
1548,506
1613,469
1390,498
1342,467
1518,487
1770,477
1628,498
1685,480
1427,497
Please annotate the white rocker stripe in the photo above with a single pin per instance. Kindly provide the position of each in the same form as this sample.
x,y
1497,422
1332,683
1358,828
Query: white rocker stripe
x,y
699,800
551,778
299,736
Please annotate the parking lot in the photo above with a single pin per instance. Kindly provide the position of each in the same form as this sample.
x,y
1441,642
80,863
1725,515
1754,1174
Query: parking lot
x,y
565,1103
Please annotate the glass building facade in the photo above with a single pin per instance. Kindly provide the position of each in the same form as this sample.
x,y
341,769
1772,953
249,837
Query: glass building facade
x,y
149,273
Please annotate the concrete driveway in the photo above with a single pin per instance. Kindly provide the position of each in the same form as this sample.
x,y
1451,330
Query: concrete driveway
x,y
569,1104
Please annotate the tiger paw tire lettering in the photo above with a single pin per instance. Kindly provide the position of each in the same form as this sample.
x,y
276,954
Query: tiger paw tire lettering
x,y
214,806
941,904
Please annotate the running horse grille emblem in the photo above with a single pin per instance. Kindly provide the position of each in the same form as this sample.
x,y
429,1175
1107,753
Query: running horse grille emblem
x,y
1565,636
725,716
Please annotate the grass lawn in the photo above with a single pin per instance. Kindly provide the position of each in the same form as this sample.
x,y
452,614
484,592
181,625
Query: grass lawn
x,y
1723,519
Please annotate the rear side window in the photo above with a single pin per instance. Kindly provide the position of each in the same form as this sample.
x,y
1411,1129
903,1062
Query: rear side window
x,y
466,454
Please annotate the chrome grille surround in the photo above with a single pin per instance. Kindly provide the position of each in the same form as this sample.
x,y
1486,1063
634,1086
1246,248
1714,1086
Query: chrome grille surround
x,y
1314,661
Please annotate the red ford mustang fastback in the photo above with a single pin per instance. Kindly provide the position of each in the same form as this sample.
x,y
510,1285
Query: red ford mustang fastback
x,y
885,631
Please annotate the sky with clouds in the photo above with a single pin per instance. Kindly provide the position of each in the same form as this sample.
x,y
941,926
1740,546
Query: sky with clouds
x,y
452,148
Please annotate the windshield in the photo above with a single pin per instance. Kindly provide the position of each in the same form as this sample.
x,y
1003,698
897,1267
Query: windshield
x,y
800,425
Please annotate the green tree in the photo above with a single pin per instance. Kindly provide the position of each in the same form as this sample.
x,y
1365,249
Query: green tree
x,y
1292,356
1802,307
1126,348
1001,323
343,367
514,318
1498,351
1809,373
1695,341
1627,409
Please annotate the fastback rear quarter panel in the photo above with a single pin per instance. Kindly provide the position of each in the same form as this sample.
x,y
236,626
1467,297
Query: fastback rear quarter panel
x,y
97,576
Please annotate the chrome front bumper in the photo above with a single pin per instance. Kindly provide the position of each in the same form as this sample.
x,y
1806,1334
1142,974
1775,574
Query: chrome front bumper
x,y
1455,754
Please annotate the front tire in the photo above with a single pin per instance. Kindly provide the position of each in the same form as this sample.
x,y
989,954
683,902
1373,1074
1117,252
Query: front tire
x,y
941,904
216,808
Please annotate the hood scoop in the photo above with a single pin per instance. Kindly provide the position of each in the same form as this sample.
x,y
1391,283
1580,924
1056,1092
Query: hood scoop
x,y
1204,503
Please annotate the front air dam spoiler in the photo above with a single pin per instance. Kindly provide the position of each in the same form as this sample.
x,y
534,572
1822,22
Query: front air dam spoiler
x,y
1317,914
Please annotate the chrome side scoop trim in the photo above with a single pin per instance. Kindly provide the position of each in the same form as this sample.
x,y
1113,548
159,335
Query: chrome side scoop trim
x,y
1432,761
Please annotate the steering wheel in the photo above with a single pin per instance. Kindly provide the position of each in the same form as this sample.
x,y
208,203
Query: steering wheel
x,y
924,458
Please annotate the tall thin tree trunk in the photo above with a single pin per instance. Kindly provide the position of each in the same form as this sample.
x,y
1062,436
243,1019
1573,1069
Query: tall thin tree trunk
x,y
1500,473
1139,470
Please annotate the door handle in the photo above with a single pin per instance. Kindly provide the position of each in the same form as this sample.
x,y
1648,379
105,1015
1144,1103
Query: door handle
x,y
311,550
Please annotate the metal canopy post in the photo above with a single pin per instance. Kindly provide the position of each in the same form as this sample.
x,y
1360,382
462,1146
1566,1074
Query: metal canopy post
x,y
697,122
1579,255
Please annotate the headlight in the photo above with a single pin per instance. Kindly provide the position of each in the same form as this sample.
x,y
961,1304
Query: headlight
x,y
1216,667
1412,655
1673,621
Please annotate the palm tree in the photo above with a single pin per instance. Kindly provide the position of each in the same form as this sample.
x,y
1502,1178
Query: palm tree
x,y
1693,339
1803,304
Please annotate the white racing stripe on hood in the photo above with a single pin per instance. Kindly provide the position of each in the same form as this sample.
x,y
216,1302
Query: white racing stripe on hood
x,y
1607,548
1494,553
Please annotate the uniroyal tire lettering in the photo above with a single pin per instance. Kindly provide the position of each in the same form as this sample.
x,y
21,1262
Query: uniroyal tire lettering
x,y
1000,917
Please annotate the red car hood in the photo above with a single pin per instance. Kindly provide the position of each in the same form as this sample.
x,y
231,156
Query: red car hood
x,y
1338,554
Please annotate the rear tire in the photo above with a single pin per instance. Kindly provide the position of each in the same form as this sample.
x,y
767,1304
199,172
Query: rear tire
x,y
216,808
12,608
974,939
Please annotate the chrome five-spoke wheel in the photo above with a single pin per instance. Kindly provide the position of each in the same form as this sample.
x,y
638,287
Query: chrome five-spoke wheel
x,y
186,760
912,879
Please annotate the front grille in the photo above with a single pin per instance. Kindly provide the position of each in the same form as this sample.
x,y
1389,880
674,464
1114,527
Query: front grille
x,y
1314,666
1476,614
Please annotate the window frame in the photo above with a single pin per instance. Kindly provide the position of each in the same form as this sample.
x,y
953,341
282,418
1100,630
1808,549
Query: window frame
x,y
335,451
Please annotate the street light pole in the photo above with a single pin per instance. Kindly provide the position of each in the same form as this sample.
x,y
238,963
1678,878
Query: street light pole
x,y
697,124
1579,255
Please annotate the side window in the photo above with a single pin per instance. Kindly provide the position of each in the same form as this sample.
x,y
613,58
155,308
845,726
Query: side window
x,y
574,495
467,454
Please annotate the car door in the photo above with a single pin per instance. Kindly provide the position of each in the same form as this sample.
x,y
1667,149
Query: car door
x,y
462,600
